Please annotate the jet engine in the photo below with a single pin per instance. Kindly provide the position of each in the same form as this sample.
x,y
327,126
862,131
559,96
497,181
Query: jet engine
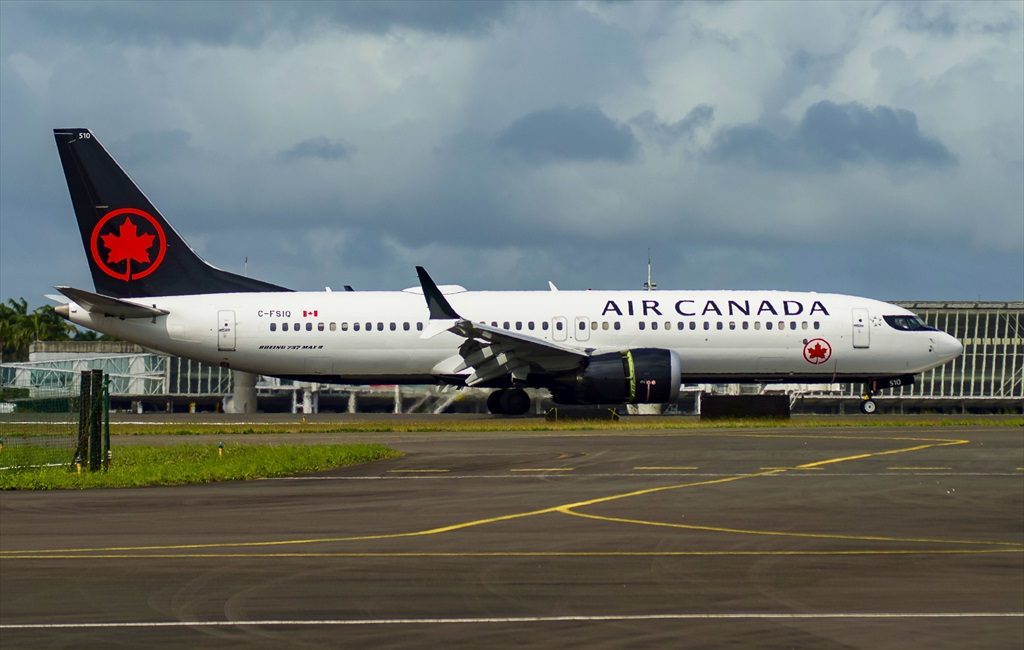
x,y
642,375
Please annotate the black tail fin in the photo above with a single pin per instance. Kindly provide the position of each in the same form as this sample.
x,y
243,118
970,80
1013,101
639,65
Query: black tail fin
x,y
132,250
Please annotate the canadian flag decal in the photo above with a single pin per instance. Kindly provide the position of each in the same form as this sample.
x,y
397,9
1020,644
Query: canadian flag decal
x,y
313,312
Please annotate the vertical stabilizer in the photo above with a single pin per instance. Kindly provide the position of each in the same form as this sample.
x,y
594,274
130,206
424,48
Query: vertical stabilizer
x,y
131,249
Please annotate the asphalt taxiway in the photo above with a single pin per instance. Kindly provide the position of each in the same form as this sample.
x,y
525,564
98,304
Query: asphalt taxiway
x,y
823,538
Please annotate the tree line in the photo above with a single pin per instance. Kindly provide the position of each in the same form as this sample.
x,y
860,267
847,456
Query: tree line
x,y
19,327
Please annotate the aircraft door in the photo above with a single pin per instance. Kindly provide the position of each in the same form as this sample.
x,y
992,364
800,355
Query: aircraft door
x,y
582,328
861,328
559,328
226,330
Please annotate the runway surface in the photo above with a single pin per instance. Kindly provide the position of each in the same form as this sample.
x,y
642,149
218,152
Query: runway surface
x,y
805,538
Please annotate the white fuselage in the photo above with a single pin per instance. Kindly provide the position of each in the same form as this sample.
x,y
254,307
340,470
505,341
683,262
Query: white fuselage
x,y
376,337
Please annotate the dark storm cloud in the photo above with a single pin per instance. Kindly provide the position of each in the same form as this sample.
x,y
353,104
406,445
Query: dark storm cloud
x,y
219,23
320,147
668,133
830,135
582,134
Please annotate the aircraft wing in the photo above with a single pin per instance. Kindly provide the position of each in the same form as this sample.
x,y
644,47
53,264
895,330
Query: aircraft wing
x,y
493,352
96,303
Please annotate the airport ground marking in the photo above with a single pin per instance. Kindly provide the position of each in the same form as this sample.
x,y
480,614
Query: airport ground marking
x,y
665,468
519,554
917,469
572,618
568,509
418,471
1008,546
543,469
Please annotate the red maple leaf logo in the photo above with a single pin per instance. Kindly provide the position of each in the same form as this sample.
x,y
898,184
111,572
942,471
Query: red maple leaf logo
x,y
817,352
128,244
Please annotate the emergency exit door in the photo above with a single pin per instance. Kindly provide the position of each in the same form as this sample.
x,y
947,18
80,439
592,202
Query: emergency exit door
x,y
861,328
226,330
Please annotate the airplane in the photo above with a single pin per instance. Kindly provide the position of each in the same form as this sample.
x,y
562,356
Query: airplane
x,y
584,347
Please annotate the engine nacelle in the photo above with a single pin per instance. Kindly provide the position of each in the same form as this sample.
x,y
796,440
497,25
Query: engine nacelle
x,y
640,376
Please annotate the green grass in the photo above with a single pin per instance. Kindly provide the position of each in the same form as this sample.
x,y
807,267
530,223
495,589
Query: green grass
x,y
180,464
526,424
646,423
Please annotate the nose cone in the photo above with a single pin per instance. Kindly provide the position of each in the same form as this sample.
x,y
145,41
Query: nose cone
x,y
948,347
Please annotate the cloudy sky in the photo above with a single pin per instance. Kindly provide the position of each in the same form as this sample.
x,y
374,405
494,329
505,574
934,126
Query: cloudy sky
x,y
858,147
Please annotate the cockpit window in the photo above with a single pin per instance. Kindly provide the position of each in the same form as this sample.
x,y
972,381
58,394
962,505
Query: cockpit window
x,y
908,323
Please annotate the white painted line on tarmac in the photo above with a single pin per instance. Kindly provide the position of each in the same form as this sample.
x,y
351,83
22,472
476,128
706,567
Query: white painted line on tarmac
x,y
585,475
523,619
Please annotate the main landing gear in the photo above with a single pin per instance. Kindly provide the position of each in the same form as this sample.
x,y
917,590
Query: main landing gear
x,y
508,401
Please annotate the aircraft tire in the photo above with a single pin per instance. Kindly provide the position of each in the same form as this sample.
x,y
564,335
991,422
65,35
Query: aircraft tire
x,y
495,400
515,401
868,407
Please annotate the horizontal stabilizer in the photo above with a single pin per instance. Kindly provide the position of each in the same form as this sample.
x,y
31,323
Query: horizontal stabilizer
x,y
96,303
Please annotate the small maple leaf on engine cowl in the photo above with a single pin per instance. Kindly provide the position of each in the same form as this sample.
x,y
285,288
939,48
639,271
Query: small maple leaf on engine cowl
x,y
128,244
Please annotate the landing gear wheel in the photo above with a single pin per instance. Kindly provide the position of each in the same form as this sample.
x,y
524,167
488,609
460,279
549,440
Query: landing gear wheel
x,y
868,406
494,401
514,401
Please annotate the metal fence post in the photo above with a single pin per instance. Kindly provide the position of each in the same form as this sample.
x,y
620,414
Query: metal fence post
x,y
96,422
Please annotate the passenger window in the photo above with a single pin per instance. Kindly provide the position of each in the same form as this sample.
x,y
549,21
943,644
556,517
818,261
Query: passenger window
x,y
319,327
405,326
719,325
380,326
544,326
707,325
768,325
558,326
746,325
298,326
419,327
369,327
757,324
529,326
344,327
392,326
273,327
494,323
505,325
355,327
593,325
792,324
680,325
654,326
817,325
309,327
642,325
519,324
693,325
604,325
668,325
334,327
803,325
732,325
583,325
618,325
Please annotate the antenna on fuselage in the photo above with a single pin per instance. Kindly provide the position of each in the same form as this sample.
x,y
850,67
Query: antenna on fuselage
x,y
650,285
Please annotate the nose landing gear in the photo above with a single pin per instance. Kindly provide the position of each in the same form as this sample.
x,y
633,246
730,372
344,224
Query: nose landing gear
x,y
868,406
508,401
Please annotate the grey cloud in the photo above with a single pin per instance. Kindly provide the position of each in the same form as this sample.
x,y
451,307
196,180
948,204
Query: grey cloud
x,y
668,133
948,19
583,134
218,23
830,135
320,147
154,145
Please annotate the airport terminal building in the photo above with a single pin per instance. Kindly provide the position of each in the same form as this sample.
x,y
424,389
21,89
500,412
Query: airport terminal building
x,y
987,378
